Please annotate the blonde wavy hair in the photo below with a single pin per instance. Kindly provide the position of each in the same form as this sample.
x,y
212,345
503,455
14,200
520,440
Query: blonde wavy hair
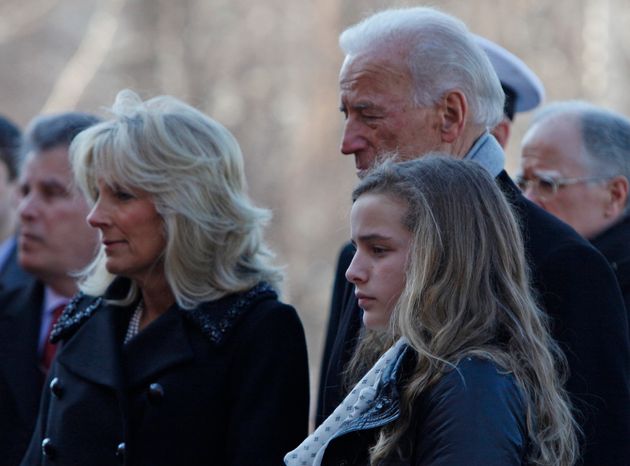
x,y
192,168
467,293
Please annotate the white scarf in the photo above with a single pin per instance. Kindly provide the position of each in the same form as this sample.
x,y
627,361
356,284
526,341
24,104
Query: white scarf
x,y
311,451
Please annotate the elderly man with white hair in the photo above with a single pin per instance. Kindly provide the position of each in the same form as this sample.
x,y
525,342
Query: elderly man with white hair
x,y
413,81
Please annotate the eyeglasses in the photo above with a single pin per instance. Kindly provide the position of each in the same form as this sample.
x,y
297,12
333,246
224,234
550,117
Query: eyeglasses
x,y
546,187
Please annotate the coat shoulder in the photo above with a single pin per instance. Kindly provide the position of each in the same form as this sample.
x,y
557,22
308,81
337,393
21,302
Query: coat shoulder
x,y
456,416
218,319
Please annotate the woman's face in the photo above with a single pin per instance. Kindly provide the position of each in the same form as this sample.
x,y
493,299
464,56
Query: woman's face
x,y
132,232
379,264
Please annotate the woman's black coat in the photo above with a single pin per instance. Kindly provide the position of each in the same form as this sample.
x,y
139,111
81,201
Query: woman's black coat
x,y
223,384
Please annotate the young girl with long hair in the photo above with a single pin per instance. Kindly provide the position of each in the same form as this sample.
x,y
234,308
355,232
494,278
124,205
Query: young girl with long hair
x,y
471,376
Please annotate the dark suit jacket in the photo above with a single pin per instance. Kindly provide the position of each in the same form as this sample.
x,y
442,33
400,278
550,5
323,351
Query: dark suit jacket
x,y
614,244
20,376
225,384
11,274
578,290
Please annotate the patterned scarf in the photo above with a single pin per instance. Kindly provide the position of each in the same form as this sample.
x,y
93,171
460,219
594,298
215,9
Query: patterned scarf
x,y
311,451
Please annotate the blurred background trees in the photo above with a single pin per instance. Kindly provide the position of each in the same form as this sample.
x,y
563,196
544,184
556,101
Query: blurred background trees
x,y
267,69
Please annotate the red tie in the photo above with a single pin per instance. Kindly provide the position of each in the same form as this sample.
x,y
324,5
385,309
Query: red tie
x,y
49,348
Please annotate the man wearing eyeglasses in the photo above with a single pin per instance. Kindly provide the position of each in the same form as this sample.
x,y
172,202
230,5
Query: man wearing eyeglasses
x,y
576,165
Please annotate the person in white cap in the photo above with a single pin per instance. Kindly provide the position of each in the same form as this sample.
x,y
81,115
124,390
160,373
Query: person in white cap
x,y
523,90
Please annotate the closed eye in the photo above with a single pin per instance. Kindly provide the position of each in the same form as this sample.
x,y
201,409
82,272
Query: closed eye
x,y
546,183
123,195
52,189
378,250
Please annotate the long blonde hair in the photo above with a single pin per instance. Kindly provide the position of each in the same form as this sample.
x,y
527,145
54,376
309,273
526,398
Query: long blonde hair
x,y
467,293
192,168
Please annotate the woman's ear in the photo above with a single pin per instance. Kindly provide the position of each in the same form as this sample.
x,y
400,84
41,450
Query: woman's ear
x,y
453,110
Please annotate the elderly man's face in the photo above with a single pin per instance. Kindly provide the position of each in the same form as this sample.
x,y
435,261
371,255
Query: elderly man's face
x,y
553,150
54,239
377,100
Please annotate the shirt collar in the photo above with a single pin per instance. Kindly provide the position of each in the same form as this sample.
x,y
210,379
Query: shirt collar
x,y
487,152
53,300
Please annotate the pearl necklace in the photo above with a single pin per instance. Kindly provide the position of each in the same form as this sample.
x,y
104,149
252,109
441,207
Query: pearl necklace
x,y
134,323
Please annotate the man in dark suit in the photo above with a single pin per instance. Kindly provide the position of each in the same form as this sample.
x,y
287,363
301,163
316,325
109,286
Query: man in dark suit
x,y
575,164
54,242
415,81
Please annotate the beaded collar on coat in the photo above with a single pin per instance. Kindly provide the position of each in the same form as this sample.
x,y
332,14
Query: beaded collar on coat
x,y
215,319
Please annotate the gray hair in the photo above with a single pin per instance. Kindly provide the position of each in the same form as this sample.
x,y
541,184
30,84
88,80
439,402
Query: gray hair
x,y
192,168
605,135
48,132
441,55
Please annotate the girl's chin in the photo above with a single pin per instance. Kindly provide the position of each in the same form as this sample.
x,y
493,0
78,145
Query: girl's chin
x,y
374,324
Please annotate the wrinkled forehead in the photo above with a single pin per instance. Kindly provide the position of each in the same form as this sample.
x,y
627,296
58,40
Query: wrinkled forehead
x,y
382,60
554,143
364,77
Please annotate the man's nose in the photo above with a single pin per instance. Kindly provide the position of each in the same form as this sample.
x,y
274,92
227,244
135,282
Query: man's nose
x,y
27,207
353,139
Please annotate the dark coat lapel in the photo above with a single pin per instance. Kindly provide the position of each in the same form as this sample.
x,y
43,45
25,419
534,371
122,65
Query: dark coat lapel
x,y
94,351
144,358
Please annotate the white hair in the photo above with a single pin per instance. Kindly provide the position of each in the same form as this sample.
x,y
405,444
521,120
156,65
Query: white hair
x,y
441,55
192,168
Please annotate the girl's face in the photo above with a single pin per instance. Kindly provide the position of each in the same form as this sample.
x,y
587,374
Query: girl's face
x,y
379,265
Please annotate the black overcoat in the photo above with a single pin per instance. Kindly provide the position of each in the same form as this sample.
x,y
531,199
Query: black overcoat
x,y
224,384
614,244
579,292
20,375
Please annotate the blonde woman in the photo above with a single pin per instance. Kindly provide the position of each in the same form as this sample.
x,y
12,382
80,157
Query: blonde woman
x,y
178,350
473,377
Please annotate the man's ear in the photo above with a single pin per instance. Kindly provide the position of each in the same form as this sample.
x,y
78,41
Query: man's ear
x,y
453,114
618,190
501,132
